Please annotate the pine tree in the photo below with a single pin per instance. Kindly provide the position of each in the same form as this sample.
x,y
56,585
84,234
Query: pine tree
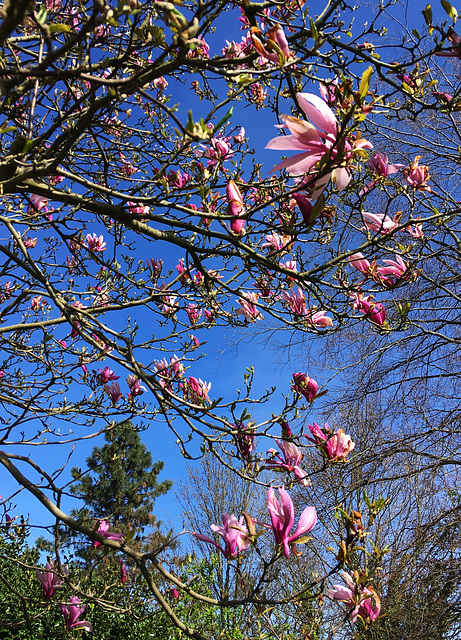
x,y
120,483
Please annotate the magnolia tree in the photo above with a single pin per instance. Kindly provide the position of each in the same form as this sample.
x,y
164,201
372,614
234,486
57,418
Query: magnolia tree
x,y
137,218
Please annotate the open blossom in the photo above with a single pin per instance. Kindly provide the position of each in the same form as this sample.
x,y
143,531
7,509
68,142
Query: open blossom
x,y
103,529
358,600
269,44
49,579
305,386
379,165
315,139
296,302
29,243
137,209
196,390
318,319
193,313
380,222
37,303
95,243
236,208
198,48
396,268
417,176
106,375
276,242
335,445
166,372
234,534
72,613
360,263
373,310
219,149
282,518
249,309
288,461
134,384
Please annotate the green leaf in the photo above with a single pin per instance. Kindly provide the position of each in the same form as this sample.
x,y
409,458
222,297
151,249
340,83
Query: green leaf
x,y
41,16
365,82
450,10
223,120
59,28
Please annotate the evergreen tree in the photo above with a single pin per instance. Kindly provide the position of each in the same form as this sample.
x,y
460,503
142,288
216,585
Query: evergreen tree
x,y
120,483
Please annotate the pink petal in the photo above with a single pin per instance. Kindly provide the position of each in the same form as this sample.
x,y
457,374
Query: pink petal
x,y
318,112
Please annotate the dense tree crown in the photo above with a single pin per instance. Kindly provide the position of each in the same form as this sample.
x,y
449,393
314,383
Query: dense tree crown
x,y
142,221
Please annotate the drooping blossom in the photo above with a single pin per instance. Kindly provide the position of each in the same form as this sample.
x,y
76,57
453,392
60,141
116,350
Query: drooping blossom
x,y
360,263
335,445
106,375
234,534
357,599
417,176
397,269
113,391
245,440
236,208
296,302
136,389
373,310
95,243
315,139
103,529
196,390
248,306
318,319
305,386
72,613
49,579
282,518
272,45
380,222
288,461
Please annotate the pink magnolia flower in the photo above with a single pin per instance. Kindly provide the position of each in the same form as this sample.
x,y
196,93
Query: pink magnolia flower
x,y
357,599
169,307
318,319
416,231
295,301
276,242
328,91
219,149
245,440
95,243
379,165
292,456
417,176
39,203
249,309
397,268
106,375
360,263
236,208
126,168
167,372
72,613
234,534
30,243
49,579
374,311
103,529
198,48
123,572
336,446
113,391
134,384
37,303
275,42
155,267
305,386
380,222
315,139
136,209
282,518
196,390
193,313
